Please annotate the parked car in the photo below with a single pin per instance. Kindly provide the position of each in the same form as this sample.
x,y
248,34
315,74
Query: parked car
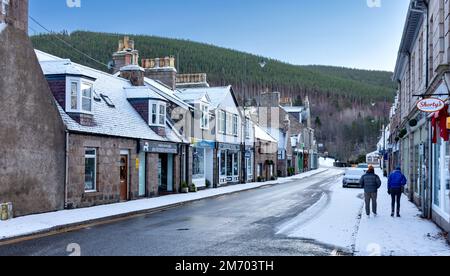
x,y
352,178
363,166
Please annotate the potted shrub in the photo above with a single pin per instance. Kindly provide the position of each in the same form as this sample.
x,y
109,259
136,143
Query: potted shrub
x,y
193,188
208,184
184,188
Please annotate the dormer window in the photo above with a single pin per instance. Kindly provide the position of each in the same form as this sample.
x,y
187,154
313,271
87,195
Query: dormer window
x,y
79,96
157,113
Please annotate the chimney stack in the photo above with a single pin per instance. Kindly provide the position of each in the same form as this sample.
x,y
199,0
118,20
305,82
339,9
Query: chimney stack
x,y
126,54
15,13
161,69
133,73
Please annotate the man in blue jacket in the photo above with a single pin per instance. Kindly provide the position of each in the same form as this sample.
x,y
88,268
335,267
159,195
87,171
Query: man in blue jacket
x,y
396,186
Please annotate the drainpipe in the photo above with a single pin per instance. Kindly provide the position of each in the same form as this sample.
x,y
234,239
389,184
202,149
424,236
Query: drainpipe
x,y
66,181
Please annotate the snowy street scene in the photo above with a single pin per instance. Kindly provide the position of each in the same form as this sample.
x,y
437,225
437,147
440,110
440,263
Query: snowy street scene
x,y
225,135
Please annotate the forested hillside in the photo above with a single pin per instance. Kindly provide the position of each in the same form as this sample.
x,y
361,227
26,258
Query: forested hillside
x,y
348,105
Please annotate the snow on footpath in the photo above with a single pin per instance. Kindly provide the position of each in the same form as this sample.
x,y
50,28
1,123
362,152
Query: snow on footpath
x,y
47,222
336,219
2,27
406,236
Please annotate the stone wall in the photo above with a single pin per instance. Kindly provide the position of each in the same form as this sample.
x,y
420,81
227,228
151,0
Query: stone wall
x,y
32,139
108,170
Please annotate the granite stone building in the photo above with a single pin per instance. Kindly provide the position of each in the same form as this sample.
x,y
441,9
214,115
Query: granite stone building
x,y
32,135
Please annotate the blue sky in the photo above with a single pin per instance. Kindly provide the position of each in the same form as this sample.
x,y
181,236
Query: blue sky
x,y
327,32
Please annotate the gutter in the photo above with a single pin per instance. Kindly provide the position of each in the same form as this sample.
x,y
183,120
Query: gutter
x,y
66,181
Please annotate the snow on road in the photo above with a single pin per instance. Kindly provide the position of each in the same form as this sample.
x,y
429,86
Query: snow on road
x,y
336,220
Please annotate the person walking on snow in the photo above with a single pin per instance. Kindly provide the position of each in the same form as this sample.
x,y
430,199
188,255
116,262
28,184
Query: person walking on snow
x,y
396,187
371,183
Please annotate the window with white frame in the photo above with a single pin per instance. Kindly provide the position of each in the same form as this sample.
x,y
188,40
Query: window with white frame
x,y
90,172
247,128
235,125
157,113
204,123
79,95
222,122
229,122
5,7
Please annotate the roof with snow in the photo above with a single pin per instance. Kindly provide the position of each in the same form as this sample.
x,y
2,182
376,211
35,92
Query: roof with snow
x,y
261,134
119,121
216,94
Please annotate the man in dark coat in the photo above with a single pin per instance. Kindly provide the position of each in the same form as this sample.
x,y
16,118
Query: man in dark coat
x,y
396,186
371,183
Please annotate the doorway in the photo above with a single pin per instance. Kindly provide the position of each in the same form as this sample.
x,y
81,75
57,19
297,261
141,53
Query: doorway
x,y
124,175
165,173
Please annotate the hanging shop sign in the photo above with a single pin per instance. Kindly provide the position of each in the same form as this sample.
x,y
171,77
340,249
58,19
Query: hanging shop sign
x,y
431,105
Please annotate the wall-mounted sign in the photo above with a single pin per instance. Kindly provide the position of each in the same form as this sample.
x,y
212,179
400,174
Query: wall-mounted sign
x,y
431,105
230,147
159,147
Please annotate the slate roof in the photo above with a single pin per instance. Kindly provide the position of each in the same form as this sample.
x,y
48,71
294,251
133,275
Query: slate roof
x,y
119,121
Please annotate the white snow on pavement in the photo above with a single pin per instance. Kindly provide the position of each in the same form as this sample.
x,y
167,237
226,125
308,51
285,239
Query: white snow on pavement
x,y
339,224
44,222
326,162
406,236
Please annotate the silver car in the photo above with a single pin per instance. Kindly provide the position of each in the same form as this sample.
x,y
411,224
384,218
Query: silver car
x,y
352,178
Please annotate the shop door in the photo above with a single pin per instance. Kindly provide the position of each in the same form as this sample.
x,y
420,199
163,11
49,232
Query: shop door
x,y
124,177
165,173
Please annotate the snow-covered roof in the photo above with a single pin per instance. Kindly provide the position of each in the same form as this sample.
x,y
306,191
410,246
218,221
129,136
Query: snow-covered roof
x,y
62,66
119,121
293,109
142,92
216,94
166,92
132,67
192,96
263,135
279,136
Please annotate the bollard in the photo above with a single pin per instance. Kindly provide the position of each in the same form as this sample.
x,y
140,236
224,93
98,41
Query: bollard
x,y
4,214
10,211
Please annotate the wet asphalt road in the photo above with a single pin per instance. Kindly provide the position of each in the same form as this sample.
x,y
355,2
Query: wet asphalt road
x,y
241,224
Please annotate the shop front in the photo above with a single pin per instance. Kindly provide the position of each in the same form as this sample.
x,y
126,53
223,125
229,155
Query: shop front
x,y
440,164
160,165
229,156
202,163
249,168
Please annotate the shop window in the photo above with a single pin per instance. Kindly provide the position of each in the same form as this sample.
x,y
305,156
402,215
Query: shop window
x,y
198,163
235,164
437,174
223,165
447,179
90,172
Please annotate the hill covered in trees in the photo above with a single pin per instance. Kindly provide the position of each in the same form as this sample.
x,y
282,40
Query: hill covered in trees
x,y
348,105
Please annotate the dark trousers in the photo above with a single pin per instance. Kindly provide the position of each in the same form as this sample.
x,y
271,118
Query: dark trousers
x,y
371,197
396,195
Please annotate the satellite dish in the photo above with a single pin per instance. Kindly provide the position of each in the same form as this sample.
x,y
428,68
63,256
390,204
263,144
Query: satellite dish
x,y
111,65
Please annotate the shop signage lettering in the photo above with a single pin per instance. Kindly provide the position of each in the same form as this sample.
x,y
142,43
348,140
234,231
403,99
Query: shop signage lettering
x,y
231,147
430,105
156,147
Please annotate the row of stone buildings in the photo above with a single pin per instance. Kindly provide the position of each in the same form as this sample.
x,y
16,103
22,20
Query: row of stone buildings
x,y
75,137
416,140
